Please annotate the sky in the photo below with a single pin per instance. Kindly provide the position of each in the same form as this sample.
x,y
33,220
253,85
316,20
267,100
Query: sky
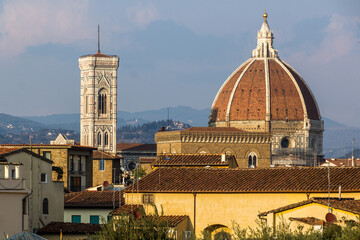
x,y
173,52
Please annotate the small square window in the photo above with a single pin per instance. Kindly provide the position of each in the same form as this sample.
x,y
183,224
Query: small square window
x,y
13,176
76,218
148,198
101,165
47,154
43,178
94,219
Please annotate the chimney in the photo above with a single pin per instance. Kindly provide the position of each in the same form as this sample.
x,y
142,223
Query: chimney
x,y
223,157
340,192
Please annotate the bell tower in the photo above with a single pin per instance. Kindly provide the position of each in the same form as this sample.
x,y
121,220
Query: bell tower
x,y
98,100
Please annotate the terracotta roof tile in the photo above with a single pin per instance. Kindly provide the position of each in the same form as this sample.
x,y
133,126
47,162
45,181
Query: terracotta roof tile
x,y
127,208
47,145
345,204
298,179
7,150
104,155
136,147
342,162
54,227
193,160
92,199
309,220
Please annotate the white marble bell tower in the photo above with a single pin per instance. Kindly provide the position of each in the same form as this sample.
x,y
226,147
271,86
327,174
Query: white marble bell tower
x,y
98,101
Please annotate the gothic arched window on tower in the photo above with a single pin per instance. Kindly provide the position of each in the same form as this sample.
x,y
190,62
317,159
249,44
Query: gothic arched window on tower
x,y
102,102
99,139
252,160
106,139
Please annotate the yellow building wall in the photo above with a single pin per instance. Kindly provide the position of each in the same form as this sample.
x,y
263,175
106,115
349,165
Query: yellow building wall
x,y
100,176
223,208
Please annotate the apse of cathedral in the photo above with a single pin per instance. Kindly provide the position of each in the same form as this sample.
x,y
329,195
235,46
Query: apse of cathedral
x,y
264,114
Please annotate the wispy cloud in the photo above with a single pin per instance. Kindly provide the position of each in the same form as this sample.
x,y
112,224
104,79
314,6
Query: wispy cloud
x,y
340,38
142,15
32,23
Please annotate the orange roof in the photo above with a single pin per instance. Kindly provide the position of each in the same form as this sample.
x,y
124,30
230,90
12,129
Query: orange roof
x,y
340,162
92,199
345,204
243,95
309,220
104,155
296,179
7,150
127,208
193,160
136,147
56,227
47,145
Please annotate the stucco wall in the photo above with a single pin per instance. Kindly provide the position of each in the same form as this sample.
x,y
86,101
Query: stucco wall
x,y
86,213
223,208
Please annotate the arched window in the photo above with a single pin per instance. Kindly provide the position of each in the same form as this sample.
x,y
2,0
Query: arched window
x,y
45,206
102,100
99,139
252,160
106,139
285,142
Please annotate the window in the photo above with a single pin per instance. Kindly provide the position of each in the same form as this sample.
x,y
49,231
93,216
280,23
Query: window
x,y
102,103
94,219
252,160
47,154
285,142
13,173
75,184
99,139
71,162
148,198
43,178
45,206
101,165
76,218
106,139
79,164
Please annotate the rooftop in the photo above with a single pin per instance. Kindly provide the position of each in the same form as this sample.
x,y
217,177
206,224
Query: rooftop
x,y
136,147
92,199
104,155
345,204
55,227
295,179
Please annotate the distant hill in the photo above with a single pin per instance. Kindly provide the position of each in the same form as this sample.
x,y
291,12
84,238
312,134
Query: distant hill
x,y
337,136
145,133
12,124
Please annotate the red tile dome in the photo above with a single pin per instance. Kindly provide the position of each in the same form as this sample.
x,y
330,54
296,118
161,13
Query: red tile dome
x,y
264,87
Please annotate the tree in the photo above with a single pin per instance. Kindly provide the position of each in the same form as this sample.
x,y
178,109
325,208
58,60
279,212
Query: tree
x,y
132,226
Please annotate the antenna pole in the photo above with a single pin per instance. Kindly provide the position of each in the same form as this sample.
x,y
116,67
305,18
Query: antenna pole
x,y
98,38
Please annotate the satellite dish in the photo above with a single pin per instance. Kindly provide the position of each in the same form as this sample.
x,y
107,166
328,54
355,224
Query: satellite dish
x,y
330,217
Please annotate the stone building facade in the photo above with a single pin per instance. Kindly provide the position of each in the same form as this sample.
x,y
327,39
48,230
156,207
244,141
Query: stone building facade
x,y
251,149
98,101
265,94
75,161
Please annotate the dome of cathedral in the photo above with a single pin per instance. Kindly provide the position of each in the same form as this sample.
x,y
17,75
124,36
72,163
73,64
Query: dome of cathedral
x,y
263,88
